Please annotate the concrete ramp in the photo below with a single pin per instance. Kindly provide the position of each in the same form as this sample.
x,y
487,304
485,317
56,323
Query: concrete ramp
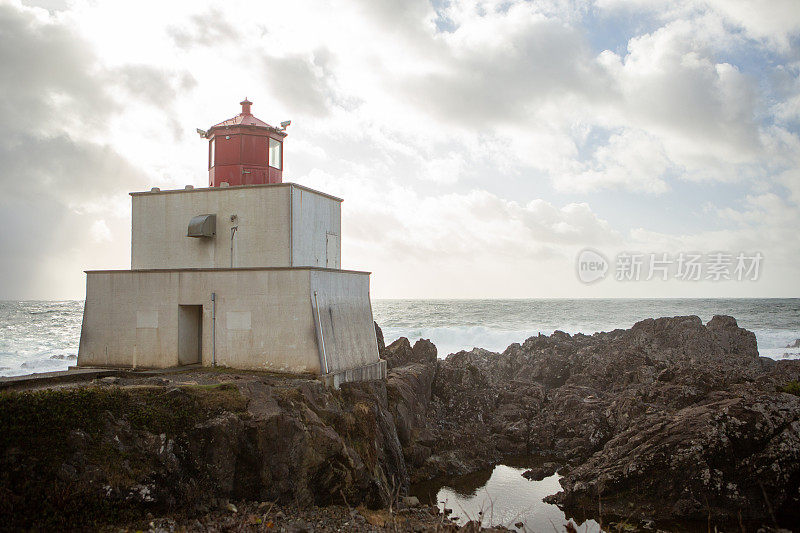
x,y
344,327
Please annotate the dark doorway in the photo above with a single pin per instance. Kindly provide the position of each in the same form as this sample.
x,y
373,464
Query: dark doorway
x,y
190,334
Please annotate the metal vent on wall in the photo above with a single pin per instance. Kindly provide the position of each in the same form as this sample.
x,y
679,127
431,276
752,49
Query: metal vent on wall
x,y
203,226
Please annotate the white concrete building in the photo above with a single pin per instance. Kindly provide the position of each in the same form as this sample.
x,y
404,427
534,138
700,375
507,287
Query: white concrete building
x,y
281,225
246,276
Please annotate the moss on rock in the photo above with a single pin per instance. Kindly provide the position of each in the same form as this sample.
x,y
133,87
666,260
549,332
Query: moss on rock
x,y
45,433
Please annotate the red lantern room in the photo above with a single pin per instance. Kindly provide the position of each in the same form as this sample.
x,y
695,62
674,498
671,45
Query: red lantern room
x,y
244,150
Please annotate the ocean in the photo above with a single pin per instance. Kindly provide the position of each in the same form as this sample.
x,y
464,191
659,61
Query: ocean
x,y
454,325
42,336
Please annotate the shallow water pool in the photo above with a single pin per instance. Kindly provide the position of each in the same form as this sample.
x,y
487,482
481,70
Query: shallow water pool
x,y
502,497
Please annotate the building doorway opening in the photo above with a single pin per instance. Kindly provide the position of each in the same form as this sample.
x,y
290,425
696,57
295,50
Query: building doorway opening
x,y
190,334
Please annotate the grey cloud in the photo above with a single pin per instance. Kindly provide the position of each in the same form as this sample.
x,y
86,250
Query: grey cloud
x,y
696,102
496,84
50,5
61,167
405,20
204,30
42,177
52,84
26,240
152,85
156,87
43,65
51,78
305,84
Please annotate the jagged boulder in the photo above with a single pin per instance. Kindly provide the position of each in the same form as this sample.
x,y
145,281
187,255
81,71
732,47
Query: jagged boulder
x,y
735,452
686,337
542,471
409,384
379,337
401,353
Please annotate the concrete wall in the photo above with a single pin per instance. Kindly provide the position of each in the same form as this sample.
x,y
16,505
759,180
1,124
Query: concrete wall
x,y
316,230
270,233
130,319
265,318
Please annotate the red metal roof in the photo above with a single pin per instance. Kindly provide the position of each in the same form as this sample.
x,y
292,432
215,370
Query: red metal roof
x,y
245,118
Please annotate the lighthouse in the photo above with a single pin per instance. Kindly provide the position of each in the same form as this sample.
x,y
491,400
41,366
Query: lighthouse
x,y
244,150
245,273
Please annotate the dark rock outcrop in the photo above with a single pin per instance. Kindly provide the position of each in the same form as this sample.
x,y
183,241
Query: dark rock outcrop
x,y
379,337
110,450
669,419
306,444
409,388
731,452
400,353
540,472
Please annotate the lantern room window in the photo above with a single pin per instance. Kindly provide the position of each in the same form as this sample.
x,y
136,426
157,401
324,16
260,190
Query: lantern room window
x,y
275,153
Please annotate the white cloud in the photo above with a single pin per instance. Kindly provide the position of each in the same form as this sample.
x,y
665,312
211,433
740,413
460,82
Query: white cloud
x,y
632,160
387,226
776,21
445,169
100,231
704,111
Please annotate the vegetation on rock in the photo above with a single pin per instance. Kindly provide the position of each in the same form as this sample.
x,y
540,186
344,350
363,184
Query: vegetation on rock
x,y
793,387
41,431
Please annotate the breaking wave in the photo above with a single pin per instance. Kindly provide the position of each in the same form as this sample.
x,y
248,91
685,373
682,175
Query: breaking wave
x,y
44,336
455,325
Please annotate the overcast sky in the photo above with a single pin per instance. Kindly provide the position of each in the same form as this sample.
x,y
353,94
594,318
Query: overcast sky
x,y
479,147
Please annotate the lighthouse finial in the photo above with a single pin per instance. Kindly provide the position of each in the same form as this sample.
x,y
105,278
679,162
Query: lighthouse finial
x,y
246,106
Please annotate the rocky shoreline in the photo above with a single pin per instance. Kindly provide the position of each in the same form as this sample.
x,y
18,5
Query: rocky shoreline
x,y
669,420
